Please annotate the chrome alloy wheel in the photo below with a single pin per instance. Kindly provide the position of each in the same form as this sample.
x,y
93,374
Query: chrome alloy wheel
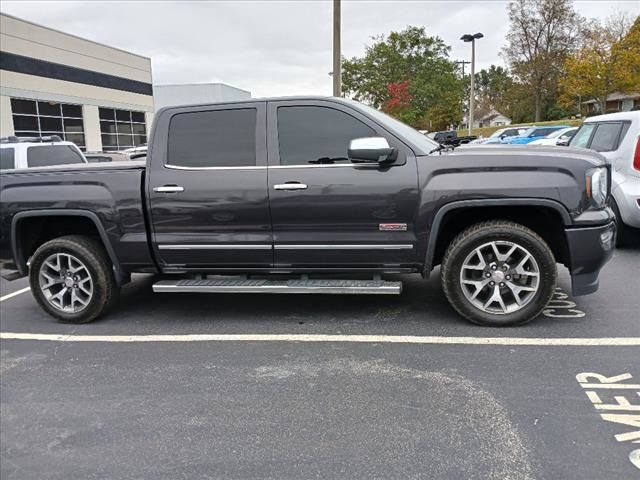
x,y
500,277
66,282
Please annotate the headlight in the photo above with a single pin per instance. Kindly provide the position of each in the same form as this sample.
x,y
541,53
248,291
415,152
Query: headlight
x,y
597,186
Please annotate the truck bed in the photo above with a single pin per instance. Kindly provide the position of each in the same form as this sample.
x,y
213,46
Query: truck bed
x,y
110,195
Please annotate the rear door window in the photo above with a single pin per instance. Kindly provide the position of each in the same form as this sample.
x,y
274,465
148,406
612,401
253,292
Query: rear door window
x,y
606,137
7,161
47,155
216,138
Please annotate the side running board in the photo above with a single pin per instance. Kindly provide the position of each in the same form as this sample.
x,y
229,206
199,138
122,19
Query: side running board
x,y
361,287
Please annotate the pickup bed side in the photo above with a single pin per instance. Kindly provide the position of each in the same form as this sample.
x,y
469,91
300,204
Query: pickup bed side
x,y
104,202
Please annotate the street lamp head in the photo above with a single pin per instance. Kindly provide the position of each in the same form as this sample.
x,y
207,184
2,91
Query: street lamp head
x,y
470,38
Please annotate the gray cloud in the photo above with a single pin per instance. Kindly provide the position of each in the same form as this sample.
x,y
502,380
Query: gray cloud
x,y
273,47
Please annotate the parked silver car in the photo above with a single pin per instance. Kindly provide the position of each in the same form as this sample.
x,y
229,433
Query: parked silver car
x,y
617,137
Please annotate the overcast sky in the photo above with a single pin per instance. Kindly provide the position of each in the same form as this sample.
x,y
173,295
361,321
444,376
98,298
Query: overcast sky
x,y
274,48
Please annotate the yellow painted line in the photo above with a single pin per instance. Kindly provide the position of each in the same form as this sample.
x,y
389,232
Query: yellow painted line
x,y
14,294
401,339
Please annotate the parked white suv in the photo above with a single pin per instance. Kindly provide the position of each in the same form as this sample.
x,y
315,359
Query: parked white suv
x,y
617,137
32,152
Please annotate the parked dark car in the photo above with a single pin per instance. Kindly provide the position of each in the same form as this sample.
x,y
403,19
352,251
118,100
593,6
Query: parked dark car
x,y
450,137
292,194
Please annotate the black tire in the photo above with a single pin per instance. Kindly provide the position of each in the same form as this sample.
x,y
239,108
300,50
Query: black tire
x,y
496,230
625,235
98,265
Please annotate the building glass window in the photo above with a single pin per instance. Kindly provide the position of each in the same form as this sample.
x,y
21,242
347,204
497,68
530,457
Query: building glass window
x,y
37,118
121,129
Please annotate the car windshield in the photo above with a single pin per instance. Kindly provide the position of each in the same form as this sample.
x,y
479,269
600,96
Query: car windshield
x,y
422,141
581,138
557,133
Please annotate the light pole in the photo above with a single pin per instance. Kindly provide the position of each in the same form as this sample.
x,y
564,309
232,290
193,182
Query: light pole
x,y
337,73
472,38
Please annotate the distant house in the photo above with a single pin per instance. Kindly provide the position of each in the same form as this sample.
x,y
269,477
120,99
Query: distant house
x,y
616,102
492,118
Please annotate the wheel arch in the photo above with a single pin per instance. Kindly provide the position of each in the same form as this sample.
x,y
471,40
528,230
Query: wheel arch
x,y
515,209
17,244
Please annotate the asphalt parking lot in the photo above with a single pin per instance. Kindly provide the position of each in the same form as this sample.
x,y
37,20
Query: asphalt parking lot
x,y
224,386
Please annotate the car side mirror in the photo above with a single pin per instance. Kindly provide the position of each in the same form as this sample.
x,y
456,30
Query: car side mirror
x,y
563,143
371,150
503,136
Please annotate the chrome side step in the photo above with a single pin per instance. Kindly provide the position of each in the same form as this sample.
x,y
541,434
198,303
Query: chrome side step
x,y
379,287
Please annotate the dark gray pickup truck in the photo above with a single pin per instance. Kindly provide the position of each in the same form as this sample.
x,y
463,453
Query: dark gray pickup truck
x,y
309,195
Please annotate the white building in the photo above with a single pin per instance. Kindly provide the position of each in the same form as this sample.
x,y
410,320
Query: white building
x,y
616,102
195,93
492,119
53,83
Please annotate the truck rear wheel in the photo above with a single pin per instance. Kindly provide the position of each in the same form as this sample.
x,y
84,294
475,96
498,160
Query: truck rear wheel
x,y
498,273
72,279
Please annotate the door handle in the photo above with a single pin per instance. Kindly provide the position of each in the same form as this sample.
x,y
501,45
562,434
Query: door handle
x,y
290,186
169,189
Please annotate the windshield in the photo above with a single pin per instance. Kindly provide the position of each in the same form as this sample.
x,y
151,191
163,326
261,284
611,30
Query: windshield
x,y
581,138
422,141
557,133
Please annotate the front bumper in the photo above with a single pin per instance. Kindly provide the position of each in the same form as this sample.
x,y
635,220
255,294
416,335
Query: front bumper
x,y
589,249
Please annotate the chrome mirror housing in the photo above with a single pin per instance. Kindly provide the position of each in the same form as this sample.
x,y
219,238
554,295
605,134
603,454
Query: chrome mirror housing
x,y
371,150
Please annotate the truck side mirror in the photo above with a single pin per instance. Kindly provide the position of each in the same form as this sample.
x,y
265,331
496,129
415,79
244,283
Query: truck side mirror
x,y
371,150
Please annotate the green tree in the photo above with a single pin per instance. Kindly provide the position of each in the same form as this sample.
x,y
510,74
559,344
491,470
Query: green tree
x,y
607,62
434,89
541,35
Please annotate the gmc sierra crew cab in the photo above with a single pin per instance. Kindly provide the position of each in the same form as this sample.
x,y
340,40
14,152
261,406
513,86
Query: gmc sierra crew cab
x,y
309,195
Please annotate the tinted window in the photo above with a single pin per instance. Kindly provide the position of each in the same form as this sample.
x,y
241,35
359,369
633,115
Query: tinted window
x,y
74,111
317,135
106,113
46,155
19,105
6,158
581,138
24,122
542,132
221,138
606,137
49,108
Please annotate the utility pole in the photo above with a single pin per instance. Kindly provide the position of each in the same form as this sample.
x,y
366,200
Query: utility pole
x,y
337,70
472,39
462,63
473,86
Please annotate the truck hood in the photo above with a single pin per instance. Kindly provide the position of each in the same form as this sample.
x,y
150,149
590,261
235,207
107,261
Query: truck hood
x,y
529,155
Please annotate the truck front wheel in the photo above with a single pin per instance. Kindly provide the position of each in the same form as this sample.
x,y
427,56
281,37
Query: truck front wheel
x,y
498,273
72,279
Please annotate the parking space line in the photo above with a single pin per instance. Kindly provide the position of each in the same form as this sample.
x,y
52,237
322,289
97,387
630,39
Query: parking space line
x,y
14,294
500,341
